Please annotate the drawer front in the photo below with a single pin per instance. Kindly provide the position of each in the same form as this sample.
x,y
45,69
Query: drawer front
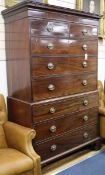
x,y
49,28
66,142
78,30
44,66
46,88
58,107
65,123
62,46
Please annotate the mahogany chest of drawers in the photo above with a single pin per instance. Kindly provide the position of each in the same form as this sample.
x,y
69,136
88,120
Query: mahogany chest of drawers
x,y
52,76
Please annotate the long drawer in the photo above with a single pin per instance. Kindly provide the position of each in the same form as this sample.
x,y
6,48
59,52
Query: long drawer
x,y
43,111
44,66
54,28
46,88
69,140
63,46
52,127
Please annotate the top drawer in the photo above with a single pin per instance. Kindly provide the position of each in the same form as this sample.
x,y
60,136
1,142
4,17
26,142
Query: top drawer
x,y
82,31
49,28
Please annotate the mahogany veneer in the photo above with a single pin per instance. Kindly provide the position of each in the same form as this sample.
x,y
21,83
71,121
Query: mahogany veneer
x,y
52,76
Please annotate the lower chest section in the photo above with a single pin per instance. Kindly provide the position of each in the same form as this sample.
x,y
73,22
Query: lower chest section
x,y
65,125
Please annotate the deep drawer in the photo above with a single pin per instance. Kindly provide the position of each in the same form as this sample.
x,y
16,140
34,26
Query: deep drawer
x,y
47,66
52,127
62,46
55,108
46,88
49,28
63,143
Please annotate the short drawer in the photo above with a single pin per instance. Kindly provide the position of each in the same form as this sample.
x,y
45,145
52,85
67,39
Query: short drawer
x,y
43,111
52,127
69,140
82,31
48,66
57,46
51,87
49,28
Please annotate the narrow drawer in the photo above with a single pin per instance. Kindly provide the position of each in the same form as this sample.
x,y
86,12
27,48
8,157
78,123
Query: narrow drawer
x,y
51,87
82,31
49,28
47,66
62,46
52,127
63,143
44,111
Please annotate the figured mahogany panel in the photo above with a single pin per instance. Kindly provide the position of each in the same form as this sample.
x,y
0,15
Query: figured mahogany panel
x,y
41,14
65,142
62,46
47,88
48,66
37,13
18,62
72,18
52,127
19,112
49,28
42,110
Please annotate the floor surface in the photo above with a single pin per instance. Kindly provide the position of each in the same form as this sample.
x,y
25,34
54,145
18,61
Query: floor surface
x,y
62,164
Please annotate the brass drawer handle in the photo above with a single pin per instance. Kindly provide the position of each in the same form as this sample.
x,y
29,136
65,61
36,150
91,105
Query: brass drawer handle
x,y
51,87
85,118
50,46
50,66
52,110
53,148
53,128
84,82
85,47
50,28
84,64
85,32
86,135
85,102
